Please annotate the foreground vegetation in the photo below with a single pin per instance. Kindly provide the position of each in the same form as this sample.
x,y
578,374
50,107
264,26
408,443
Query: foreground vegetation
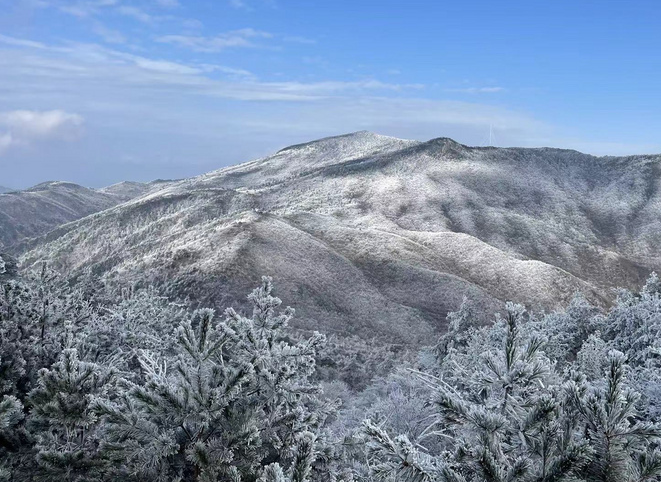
x,y
103,383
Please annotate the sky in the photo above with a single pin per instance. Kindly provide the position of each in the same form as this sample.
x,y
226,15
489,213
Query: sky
x,y
100,91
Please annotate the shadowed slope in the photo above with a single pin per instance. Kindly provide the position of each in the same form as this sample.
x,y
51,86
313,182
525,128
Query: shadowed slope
x,y
35,211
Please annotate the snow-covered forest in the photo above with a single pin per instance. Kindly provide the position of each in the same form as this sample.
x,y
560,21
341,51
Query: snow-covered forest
x,y
105,382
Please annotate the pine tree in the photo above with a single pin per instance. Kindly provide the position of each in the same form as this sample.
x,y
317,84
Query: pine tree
x,y
33,316
633,326
511,417
510,424
8,267
235,398
592,358
566,330
624,445
11,414
61,417
460,324
137,320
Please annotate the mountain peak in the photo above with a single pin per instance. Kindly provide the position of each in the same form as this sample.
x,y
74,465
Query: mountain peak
x,y
447,141
55,184
362,137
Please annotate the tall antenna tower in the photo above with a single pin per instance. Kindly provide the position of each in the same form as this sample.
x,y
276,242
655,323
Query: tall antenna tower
x,y
492,138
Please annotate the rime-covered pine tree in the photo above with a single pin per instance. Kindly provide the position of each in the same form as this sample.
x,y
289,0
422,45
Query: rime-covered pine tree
x,y
624,446
233,399
65,426
514,418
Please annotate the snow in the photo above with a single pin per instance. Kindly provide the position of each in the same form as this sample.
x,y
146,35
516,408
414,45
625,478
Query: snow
x,y
393,217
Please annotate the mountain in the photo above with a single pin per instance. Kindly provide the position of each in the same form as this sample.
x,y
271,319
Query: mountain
x,y
381,237
35,211
5,189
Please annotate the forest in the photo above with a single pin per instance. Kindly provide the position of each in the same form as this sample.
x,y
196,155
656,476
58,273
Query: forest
x,y
105,382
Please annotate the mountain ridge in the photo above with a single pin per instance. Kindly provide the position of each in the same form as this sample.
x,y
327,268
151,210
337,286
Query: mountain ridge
x,y
414,225
43,207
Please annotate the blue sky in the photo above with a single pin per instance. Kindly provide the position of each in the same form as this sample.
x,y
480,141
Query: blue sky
x,y
98,91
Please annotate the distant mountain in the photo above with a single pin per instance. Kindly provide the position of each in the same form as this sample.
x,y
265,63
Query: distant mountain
x,y
379,236
35,211
128,189
5,189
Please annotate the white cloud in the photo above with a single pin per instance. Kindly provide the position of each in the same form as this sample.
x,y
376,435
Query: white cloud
x,y
16,42
149,107
168,3
41,124
163,66
94,8
230,71
477,90
235,38
109,35
192,24
24,127
84,8
135,13
114,67
239,4
248,5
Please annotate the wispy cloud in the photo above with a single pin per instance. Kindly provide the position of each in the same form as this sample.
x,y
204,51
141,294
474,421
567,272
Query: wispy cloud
x,y
168,3
192,24
236,38
83,8
477,90
96,8
230,71
249,5
145,106
241,4
109,35
334,87
117,67
17,42
135,13
41,124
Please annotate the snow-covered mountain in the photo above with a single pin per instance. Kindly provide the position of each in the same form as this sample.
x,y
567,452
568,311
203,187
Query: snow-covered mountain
x,y
378,236
35,211
5,189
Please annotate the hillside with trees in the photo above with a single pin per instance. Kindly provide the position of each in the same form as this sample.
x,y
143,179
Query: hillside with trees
x,y
36,211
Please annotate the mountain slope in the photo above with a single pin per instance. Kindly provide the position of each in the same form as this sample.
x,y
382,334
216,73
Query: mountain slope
x,y
5,189
35,211
378,236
